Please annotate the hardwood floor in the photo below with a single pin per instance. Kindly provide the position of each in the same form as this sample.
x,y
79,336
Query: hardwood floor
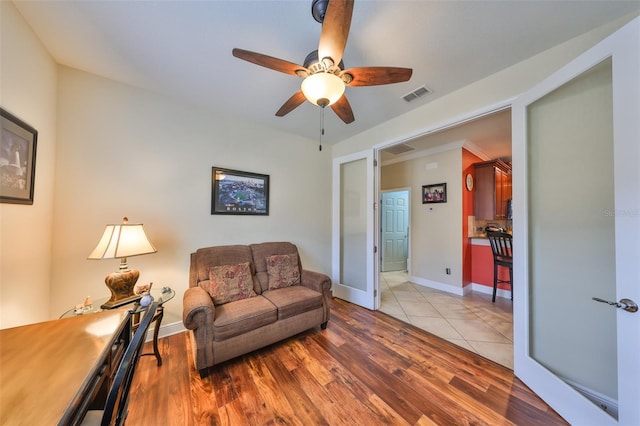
x,y
366,368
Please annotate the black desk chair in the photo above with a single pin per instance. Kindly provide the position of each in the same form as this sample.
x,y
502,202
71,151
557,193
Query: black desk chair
x,y
502,248
116,408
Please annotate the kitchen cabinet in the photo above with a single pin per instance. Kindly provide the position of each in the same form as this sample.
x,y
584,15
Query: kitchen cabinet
x,y
492,189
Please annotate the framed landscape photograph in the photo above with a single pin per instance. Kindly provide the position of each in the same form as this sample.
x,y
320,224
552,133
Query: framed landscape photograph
x,y
17,159
434,193
240,193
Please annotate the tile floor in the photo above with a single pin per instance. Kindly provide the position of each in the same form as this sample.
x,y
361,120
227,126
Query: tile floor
x,y
472,321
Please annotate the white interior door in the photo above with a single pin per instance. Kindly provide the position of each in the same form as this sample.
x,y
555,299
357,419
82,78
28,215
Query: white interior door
x,y
576,156
394,224
353,224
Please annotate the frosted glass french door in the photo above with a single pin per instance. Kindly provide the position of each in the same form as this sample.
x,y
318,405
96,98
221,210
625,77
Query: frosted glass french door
x,y
576,156
352,240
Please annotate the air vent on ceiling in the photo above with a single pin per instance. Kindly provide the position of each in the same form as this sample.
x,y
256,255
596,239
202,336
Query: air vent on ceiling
x,y
419,92
399,149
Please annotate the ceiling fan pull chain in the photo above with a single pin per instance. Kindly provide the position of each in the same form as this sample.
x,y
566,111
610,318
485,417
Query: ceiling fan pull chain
x,y
321,126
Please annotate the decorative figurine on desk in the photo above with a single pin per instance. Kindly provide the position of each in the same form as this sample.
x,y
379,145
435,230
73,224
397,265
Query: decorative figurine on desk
x,y
85,307
146,298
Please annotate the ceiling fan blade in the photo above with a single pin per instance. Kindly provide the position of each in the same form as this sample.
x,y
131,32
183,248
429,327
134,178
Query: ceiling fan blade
x,y
335,30
268,61
374,76
292,103
342,108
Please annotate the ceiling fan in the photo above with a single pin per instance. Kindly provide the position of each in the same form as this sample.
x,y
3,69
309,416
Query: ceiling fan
x,y
323,70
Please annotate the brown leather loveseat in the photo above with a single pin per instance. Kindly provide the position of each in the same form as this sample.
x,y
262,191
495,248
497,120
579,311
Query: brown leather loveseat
x,y
244,297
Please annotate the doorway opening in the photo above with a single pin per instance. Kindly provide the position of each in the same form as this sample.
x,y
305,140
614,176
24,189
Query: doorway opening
x,y
432,297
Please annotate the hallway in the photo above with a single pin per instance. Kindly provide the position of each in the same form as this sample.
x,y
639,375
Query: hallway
x,y
472,322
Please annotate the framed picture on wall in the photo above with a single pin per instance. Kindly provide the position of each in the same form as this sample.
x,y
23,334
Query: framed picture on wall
x,y
17,159
434,193
239,193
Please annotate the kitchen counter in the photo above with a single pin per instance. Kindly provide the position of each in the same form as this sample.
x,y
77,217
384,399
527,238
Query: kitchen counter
x,y
480,241
482,236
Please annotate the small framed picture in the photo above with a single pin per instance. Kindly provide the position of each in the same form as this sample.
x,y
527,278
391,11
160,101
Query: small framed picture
x,y
239,193
17,159
434,193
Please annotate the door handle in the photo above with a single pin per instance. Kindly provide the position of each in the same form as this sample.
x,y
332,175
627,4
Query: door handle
x,y
625,304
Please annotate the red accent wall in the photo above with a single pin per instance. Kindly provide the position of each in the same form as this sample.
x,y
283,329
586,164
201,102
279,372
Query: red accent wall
x,y
482,267
467,210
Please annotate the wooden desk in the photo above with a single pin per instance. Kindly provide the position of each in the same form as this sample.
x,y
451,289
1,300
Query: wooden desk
x,y
50,372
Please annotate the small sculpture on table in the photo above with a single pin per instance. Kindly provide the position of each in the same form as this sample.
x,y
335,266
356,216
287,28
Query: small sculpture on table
x,y
144,290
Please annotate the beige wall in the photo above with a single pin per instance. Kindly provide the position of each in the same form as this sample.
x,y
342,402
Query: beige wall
x,y
127,152
436,231
123,151
28,91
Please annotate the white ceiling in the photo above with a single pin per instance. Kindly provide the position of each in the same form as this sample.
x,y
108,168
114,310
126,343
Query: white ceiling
x,y
183,48
488,137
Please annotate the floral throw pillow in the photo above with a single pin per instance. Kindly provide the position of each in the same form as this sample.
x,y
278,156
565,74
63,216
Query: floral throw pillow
x,y
230,282
283,270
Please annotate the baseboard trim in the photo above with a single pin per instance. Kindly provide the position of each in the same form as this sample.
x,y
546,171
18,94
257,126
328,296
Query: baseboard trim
x,y
459,291
167,330
505,294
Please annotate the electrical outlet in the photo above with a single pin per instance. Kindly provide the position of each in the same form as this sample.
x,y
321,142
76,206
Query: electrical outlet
x,y
448,271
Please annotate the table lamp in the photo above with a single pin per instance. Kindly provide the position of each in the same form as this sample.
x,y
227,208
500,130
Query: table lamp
x,y
119,242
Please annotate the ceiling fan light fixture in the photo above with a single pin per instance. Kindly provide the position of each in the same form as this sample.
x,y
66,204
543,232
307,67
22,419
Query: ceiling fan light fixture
x,y
322,86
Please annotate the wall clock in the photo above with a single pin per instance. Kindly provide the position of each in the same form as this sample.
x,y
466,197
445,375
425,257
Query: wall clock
x,y
469,182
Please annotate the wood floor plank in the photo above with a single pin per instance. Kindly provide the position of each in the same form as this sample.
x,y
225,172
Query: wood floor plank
x,y
328,398
365,368
229,414
398,366
248,394
500,402
202,400
343,387
302,405
308,361
272,392
394,391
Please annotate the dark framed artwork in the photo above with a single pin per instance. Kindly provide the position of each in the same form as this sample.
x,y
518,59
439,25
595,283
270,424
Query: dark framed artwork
x,y
17,159
436,193
241,193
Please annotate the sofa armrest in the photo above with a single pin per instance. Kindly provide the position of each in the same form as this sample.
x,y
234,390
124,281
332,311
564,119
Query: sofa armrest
x,y
197,308
316,281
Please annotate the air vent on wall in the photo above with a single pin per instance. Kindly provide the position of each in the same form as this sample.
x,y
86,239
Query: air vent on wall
x,y
419,92
399,149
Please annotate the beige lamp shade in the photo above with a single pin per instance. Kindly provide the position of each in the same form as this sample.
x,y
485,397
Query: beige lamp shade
x,y
119,242
122,241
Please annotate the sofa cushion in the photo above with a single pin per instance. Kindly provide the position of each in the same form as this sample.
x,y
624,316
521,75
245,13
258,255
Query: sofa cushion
x,y
228,283
283,270
260,252
235,318
294,300
207,257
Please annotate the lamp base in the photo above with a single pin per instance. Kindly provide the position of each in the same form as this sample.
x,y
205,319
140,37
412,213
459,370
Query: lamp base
x,y
121,284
